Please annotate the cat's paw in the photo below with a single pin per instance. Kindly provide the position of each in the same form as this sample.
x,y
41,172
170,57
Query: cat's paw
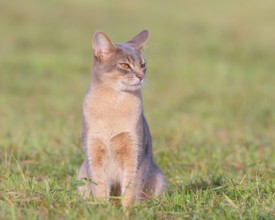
x,y
84,191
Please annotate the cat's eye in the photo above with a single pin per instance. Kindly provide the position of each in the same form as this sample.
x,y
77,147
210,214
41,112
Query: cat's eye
x,y
125,66
143,65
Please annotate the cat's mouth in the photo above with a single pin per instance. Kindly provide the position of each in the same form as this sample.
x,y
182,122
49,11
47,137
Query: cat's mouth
x,y
134,84
126,86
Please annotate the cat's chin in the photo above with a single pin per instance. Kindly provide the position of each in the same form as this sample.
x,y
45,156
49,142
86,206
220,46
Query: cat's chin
x,y
129,87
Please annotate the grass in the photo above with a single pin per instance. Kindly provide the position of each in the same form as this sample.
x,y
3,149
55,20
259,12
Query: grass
x,y
209,101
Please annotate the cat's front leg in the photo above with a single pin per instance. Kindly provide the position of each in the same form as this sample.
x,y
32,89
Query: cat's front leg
x,y
128,186
96,153
125,153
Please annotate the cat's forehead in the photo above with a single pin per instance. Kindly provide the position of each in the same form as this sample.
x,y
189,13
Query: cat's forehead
x,y
128,51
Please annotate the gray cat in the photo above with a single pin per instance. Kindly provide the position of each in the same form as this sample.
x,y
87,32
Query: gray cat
x,y
116,136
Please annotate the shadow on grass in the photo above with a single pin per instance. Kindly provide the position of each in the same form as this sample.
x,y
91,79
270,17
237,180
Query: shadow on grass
x,y
211,183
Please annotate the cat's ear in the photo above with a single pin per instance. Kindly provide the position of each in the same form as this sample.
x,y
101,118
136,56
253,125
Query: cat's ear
x,y
140,40
102,45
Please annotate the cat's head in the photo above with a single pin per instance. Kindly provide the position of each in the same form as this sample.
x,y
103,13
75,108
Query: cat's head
x,y
119,66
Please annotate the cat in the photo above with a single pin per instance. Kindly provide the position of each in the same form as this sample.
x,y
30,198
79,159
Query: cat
x,y
116,136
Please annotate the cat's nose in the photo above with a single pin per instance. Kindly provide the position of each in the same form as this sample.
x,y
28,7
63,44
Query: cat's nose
x,y
140,76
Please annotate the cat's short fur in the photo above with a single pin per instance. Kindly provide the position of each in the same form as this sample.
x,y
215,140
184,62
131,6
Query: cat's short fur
x,y
116,136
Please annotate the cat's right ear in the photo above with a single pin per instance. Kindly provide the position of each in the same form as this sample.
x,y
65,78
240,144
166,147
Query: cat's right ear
x,y
102,45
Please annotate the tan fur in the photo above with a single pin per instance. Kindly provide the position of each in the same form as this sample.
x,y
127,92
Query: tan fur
x,y
120,149
116,136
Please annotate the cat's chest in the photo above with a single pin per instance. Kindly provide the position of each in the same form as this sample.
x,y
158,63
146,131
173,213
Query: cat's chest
x,y
111,122
112,115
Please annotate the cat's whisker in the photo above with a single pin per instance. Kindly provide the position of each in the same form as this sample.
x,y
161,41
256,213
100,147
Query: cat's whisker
x,y
148,82
149,86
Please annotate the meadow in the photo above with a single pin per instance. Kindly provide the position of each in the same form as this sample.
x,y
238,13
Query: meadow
x,y
209,100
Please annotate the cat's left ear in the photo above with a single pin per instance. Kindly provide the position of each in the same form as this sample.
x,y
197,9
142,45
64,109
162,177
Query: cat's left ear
x,y
140,40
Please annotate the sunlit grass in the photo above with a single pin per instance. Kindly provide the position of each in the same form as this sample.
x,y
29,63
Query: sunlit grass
x,y
209,101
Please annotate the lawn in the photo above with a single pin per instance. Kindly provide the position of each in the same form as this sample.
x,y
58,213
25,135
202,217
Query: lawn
x,y
209,100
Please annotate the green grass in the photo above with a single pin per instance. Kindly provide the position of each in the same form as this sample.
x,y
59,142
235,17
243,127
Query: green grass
x,y
209,101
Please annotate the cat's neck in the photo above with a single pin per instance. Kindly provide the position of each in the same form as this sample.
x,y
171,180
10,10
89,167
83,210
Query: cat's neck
x,y
101,93
108,102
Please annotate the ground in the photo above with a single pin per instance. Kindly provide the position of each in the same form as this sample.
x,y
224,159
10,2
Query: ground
x,y
209,100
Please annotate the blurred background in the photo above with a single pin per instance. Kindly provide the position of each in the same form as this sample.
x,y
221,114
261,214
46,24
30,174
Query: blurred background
x,y
209,96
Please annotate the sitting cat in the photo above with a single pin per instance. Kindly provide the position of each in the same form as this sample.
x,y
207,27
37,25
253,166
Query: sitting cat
x,y
116,136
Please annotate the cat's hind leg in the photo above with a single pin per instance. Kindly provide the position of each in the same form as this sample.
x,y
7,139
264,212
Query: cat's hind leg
x,y
160,184
155,184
